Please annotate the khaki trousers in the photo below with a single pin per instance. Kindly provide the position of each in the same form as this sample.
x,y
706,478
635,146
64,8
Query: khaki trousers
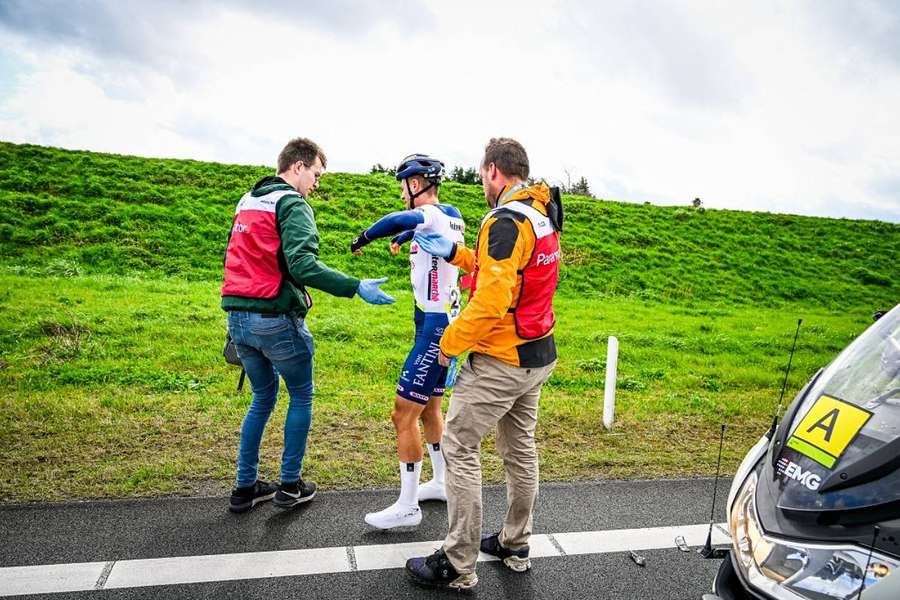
x,y
491,393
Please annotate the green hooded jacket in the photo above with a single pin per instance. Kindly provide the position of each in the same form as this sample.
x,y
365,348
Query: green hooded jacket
x,y
298,258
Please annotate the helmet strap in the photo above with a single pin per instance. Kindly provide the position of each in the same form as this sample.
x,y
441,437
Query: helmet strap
x,y
412,197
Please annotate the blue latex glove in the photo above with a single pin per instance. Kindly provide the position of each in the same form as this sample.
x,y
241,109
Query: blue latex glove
x,y
434,244
370,291
451,373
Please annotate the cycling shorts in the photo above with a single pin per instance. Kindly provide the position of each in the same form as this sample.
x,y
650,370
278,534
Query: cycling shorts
x,y
422,376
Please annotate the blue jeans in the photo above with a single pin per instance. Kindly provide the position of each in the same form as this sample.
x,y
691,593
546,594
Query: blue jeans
x,y
268,346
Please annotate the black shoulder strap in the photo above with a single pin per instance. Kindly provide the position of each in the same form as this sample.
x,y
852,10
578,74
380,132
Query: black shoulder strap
x,y
555,209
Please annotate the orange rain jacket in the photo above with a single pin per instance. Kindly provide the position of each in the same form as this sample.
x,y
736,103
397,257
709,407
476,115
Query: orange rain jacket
x,y
486,325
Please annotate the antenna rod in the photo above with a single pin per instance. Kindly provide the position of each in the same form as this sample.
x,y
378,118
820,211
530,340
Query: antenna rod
x,y
875,531
784,383
707,550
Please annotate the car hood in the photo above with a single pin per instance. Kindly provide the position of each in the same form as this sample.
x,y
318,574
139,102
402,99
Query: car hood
x,y
838,447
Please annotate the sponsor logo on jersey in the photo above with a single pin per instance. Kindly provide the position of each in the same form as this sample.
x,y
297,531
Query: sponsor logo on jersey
x,y
547,259
240,228
461,227
434,292
792,470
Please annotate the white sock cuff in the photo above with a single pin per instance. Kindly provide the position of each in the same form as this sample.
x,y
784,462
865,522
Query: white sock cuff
x,y
437,461
409,483
410,467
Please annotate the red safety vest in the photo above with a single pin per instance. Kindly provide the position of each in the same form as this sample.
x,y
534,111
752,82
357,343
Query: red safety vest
x,y
251,260
533,312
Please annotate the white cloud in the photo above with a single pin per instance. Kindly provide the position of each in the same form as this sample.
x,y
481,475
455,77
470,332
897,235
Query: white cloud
x,y
762,106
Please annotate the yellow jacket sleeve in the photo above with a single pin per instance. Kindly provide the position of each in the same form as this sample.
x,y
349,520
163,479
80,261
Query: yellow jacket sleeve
x,y
500,254
464,258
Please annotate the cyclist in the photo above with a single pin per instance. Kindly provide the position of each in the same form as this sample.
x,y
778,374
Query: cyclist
x,y
420,388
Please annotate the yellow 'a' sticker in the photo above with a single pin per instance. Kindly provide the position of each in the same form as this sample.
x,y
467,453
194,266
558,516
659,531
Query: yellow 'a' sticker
x,y
827,429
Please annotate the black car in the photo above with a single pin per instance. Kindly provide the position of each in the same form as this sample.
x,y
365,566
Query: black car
x,y
814,510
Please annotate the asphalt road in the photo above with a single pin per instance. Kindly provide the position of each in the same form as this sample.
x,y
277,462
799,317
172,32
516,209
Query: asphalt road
x,y
141,529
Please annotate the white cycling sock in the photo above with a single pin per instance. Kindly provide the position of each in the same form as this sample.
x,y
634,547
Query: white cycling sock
x,y
409,483
438,466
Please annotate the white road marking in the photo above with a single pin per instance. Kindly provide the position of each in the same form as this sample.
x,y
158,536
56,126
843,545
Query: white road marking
x,y
391,556
622,540
176,570
46,579
227,567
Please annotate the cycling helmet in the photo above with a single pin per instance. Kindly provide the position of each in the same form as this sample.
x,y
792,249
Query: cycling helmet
x,y
420,164
430,169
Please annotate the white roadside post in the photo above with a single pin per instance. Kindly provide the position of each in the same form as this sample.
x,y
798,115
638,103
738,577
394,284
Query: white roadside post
x,y
609,389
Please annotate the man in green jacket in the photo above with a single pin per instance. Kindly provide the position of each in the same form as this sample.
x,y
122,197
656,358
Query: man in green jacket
x,y
271,258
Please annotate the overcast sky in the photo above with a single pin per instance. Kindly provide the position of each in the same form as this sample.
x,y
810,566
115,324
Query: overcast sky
x,y
781,106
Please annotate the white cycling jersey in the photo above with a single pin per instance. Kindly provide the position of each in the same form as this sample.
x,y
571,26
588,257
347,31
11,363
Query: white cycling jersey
x,y
434,280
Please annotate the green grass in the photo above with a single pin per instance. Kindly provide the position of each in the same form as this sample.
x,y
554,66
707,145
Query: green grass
x,y
114,386
112,382
79,212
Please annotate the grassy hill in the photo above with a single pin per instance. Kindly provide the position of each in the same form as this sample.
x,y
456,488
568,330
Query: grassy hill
x,y
112,382
84,212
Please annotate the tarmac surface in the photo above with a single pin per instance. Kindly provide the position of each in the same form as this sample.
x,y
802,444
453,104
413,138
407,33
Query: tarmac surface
x,y
106,533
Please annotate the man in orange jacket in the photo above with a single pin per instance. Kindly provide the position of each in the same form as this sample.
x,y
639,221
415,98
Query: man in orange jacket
x,y
507,327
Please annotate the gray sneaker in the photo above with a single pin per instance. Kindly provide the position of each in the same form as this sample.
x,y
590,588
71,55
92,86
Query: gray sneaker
x,y
517,560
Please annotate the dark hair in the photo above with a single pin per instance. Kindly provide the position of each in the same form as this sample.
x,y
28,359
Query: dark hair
x,y
508,155
300,149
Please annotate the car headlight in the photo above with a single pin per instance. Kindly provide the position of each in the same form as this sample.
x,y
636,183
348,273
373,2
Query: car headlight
x,y
748,464
797,570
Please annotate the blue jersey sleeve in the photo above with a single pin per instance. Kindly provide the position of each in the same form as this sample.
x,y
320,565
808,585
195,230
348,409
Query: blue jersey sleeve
x,y
450,211
402,238
394,223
